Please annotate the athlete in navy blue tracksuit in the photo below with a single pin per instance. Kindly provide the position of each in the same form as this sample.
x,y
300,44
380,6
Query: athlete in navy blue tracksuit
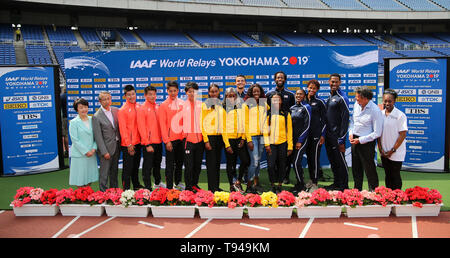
x,y
316,135
336,130
301,117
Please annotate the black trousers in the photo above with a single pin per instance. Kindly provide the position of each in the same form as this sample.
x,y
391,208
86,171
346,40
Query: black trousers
x,y
174,163
363,156
298,157
392,169
152,162
213,158
193,156
337,162
276,163
130,168
244,157
313,157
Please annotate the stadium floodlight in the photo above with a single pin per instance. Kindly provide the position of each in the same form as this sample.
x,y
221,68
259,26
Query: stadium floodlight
x,y
74,28
320,30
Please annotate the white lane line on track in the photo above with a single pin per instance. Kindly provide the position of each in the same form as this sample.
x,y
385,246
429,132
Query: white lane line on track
x,y
65,227
2,211
254,226
92,228
198,228
414,227
150,224
305,230
359,226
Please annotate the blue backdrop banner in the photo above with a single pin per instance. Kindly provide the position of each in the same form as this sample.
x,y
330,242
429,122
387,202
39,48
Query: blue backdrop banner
x,y
421,85
28,119
89,73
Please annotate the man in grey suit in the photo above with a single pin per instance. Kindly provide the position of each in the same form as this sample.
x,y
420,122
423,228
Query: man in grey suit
x,y
106,134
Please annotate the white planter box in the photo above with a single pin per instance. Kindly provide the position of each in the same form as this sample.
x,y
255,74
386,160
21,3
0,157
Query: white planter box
x,y
270,213
331,211
81,209
173,211
36,210
368,211
220,212
130,211
410,210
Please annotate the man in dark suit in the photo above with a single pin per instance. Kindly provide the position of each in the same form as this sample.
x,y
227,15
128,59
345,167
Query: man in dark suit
x,y
106,134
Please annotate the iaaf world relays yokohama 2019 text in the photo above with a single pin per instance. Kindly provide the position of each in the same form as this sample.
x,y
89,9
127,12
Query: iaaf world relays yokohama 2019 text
x,y
222,61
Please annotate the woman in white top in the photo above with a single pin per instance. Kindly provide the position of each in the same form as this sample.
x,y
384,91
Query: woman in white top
x,y
391,144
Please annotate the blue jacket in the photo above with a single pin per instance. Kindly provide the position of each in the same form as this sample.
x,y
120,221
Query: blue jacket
x,y
318,116
82,137
301,118
338,116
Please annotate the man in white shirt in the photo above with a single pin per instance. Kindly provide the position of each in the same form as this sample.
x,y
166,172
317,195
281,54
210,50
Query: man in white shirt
x,y
392,144
106,134
366,126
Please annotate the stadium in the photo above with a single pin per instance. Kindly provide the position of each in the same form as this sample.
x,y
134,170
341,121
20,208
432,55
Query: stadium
x,y
109,44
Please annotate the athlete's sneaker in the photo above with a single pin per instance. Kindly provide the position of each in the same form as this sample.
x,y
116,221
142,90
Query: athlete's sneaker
x,y
180,186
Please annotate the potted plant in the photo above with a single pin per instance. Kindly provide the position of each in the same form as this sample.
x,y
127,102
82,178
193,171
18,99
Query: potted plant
x,y
31,201
80,202
172,203
418,201
127,205
271,205
368,203
319,204
218,205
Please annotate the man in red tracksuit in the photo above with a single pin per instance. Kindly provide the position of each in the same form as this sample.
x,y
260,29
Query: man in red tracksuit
x,y
131,141
171,124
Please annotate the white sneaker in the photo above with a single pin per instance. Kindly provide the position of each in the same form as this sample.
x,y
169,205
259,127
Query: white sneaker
x,y
180,186
160,185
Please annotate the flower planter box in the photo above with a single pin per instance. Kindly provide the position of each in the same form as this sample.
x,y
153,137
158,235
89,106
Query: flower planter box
x,y
331,211
173,211
220,212
130,211
368,211
36,210
410,210
81,209
270,213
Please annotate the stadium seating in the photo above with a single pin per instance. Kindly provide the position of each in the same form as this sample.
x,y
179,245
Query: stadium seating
x,y
7,54
249,39
442,51
419,38
270,3
376,39
304,39
62,35
345,39
418,53
32,34
164,38
127,37
6,33
345,4
423,5
215,38
90,36
443,3
60,50
38,54
384,5
309,4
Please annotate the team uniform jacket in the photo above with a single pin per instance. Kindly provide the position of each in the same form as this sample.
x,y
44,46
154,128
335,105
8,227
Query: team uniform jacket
x,y
211,120
233,125
277,133
171,110
318,117
148,123
255,118
128,127
301,117
338,115
288,98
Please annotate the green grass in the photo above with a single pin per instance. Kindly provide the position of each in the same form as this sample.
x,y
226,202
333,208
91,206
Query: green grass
x,y
60,180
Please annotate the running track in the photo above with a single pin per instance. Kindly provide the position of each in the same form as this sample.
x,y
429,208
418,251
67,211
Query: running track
x,y
119,227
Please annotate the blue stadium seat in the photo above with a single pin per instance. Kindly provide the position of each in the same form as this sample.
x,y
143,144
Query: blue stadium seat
x,y
304,39
214,38
61,35
157,38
